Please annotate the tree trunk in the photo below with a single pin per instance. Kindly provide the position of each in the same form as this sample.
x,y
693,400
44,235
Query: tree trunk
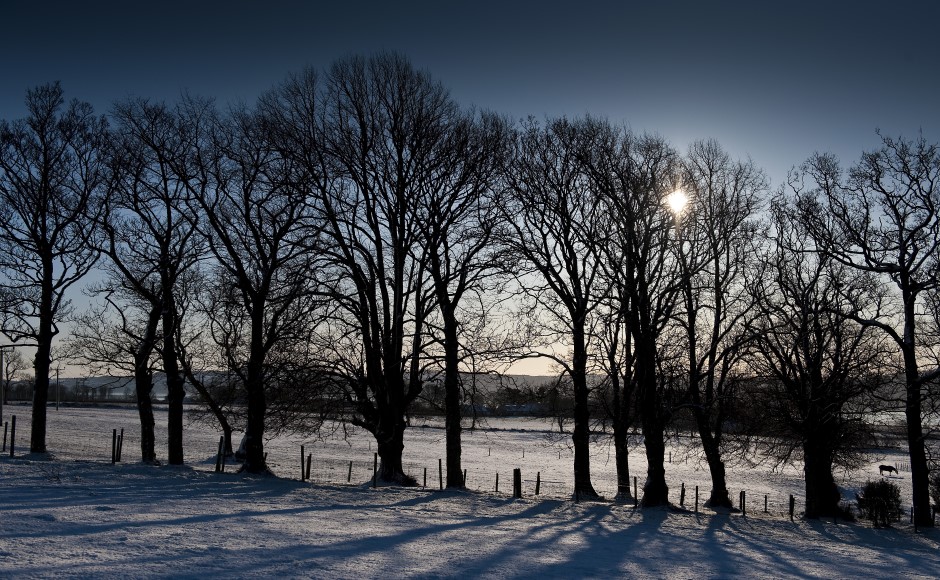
x,y
655,490
622,458
581,438
143,382
822,494
452,401
143,385
174,383
622,390
257,403
920,472
712,447
254,425
42,361
391,444
40,397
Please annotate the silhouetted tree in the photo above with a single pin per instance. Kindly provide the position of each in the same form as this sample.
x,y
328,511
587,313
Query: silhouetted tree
x,y
818,367
151,243
553,230
457,215
632,176
717,242
386,128
885,219
52,179
258,222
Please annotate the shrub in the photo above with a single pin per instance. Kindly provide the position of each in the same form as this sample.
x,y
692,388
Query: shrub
x,y
880,501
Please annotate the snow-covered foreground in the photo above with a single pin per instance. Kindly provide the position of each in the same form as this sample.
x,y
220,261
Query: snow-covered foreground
x,y
75,514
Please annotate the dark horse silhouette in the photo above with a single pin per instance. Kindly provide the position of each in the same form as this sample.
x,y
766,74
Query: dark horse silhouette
x,y
889,468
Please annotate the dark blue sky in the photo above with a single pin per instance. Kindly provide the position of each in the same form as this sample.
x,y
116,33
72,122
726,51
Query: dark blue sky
x,y
773,80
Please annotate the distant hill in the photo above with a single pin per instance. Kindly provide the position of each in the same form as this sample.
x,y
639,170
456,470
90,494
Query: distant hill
x,y
123,387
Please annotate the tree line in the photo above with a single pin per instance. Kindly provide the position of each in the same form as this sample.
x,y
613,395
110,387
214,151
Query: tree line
x,y
355,235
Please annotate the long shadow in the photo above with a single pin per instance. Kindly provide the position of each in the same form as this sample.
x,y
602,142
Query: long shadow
x,y
372,546
895,544
590,537
539,536
250,491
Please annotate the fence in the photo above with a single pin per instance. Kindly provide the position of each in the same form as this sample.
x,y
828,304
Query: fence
x,y
112,435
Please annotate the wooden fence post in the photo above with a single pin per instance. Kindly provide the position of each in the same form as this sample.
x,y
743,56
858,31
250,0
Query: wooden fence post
x,y
743,503
517,483
12,434
696,499
302,463
6,426
425,484
218,455
497,482
440,472
792,506
120,445
682,496
636,495
349,475
465,478
113,446
765,503
309,462
538,481
375,470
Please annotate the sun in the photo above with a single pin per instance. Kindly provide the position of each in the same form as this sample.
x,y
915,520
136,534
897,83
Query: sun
x,y
677,201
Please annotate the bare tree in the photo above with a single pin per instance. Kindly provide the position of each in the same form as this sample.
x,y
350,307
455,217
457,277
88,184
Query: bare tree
x,y
258,222
457,216
554,231
717,241
51,181
633,176
151,244
885,219
817,366
386,131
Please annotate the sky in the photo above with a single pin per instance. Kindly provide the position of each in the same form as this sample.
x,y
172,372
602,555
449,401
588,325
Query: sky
x,y
773,81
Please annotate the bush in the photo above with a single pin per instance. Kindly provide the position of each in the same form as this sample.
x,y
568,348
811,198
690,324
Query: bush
x,y
880,501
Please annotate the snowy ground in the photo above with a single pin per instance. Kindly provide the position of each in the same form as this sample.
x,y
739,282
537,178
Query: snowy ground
x,y
74,514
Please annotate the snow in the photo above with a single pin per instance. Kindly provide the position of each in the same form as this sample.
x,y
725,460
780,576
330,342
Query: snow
x,y
73,514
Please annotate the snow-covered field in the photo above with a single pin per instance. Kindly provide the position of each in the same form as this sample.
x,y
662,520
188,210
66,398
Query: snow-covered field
x,y
75,514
